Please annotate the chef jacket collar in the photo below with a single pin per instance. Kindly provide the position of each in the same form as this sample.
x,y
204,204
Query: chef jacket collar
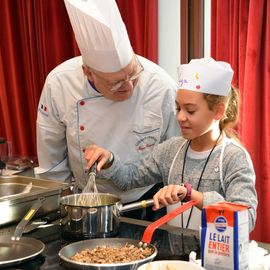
x,y
93,86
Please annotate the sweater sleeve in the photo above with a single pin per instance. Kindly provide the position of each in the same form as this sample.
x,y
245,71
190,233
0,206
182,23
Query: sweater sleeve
x,y
239,183
151,169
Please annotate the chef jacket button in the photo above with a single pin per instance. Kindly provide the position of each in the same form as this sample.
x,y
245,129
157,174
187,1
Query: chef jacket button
x,y
82,103
82,128
216,169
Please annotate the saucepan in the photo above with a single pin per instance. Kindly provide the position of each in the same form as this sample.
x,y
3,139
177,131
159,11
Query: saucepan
x,y
16,249
67,252
92,215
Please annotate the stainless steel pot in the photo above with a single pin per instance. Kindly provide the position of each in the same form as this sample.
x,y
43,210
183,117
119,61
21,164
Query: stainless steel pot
x,y
100,219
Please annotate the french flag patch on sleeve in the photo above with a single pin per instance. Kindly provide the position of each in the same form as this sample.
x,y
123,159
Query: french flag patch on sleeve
x,y
43,109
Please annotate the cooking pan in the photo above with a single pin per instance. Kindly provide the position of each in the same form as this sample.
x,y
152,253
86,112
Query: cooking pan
x,y
16,249
92,215
70,250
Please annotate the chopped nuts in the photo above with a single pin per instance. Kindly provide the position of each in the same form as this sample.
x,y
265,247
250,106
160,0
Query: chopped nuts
x,y
111,255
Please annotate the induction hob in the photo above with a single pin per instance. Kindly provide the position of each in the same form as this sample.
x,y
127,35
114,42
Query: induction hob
x,y
171,244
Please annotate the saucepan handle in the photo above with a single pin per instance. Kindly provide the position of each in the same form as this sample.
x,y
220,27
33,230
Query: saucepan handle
x,y
148,233
20,227
136,205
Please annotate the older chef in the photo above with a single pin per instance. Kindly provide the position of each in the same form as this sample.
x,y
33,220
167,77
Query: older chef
x,y
108,96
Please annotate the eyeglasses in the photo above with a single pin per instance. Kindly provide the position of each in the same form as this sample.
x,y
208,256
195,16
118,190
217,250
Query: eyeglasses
x,y
115,86
129,78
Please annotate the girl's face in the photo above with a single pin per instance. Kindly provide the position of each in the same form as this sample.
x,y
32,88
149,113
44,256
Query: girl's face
x,y
193,115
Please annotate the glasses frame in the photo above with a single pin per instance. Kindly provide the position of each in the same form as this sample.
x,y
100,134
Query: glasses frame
x,y
129,78
115,86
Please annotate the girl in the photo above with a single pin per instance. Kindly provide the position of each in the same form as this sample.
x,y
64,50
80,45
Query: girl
x,y
206,163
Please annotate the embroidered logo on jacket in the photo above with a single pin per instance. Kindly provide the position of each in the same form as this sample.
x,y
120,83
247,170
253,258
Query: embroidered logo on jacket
x,y
146,144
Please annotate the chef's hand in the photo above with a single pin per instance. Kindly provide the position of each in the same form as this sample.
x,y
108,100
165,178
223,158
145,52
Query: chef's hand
x,y
167,195
94,153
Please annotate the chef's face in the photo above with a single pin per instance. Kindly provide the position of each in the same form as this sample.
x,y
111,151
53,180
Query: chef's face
x,y
117,86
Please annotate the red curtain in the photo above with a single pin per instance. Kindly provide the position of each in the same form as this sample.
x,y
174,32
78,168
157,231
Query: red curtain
x,y
240,34
36,36
141,19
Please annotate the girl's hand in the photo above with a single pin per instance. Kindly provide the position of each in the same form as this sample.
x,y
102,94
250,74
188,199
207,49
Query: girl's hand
x,y
167,195
94,153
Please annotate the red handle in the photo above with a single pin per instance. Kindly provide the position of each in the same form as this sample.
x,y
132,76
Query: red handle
x,y
148,233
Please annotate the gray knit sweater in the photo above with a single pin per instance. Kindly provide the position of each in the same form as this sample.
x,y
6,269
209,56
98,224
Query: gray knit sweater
x,y
238,177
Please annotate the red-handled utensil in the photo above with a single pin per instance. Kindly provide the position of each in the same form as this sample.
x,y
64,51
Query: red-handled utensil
x,y
150,229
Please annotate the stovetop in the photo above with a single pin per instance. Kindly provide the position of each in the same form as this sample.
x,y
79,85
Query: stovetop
x,y
171,245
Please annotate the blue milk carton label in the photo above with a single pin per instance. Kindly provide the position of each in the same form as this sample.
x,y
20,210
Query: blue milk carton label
x,y
225,237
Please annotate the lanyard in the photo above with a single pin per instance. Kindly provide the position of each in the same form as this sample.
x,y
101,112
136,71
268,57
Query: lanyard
x,y
199,182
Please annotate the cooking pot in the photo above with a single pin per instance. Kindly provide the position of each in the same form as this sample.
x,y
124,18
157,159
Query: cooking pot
x,y
70,250
100,218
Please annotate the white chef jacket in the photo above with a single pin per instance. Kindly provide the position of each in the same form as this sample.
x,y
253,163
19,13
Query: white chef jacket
x,y
72,115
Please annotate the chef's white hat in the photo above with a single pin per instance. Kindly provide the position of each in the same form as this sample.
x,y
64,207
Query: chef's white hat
x,y
100,33
206,75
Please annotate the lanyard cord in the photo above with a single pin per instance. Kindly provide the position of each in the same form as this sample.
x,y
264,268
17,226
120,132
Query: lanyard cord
x,y
182,177
199,182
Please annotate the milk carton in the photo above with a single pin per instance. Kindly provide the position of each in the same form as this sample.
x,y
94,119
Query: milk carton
x,y
225,237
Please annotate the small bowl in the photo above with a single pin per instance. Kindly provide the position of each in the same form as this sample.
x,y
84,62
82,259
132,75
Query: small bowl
x,y
170,265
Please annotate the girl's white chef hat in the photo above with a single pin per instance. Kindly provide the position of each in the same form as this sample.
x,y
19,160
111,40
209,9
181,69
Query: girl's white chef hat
x,y
100,34
206,75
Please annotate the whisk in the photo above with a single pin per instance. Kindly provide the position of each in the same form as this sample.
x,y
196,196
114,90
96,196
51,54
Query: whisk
x,y
91,183
90,187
